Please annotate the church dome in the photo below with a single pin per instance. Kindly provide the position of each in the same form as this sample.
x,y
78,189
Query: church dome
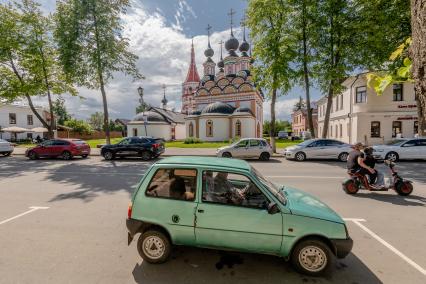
x,y
232,43
245,46
209,52
220,64
243,110
218,107
149,116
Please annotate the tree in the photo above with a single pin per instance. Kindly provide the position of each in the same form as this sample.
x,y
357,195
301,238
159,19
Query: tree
x,y
92,47
418,58
60,111
299,105
96,121
268,22
28,64
79,126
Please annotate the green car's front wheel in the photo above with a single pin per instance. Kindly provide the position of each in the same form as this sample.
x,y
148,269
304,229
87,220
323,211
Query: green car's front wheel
x,y
154,246
312,257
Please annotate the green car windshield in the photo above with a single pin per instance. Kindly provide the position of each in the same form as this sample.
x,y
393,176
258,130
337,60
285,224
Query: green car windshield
x,y
273,188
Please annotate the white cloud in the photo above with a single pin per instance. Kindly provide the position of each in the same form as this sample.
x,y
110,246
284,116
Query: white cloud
x,y
283,108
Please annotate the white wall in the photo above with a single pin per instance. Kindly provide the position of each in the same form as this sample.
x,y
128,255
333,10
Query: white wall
x,y
180,132
154,130
21,120
220,128
248,127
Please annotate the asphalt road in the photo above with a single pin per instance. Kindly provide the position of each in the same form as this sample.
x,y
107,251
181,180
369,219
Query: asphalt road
x,y
81,236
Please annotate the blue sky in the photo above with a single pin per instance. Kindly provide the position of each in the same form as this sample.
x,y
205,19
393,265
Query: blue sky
x,y
160,33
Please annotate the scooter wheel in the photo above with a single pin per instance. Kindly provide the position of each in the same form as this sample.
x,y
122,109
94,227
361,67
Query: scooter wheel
x,y
404,188
350,186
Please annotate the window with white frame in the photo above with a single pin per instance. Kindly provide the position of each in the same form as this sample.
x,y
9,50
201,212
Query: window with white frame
x,y
361,94
398,92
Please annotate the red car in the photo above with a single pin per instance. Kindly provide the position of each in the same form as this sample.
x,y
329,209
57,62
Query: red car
x,y
65,148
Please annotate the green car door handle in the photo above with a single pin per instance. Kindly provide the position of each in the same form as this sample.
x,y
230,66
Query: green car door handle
x,y
200,210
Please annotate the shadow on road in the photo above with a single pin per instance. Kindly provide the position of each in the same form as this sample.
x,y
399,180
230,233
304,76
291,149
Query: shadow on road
x,y
193,265
411,200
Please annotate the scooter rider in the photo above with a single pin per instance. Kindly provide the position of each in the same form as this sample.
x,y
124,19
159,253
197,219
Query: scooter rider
x,y
355,162
370,161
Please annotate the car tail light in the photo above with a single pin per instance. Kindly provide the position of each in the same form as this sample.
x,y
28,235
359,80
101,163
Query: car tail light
x,y
129,211
155,146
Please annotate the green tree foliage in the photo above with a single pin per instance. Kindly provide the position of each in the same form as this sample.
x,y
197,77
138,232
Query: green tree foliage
x,y
115,126
79,126
60,111
273,49
301,104
28,58
92,47
96,121
280,125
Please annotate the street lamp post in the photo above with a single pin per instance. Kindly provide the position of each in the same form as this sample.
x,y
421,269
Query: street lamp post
x,y
142,103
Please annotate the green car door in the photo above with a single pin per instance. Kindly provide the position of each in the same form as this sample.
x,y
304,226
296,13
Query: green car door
x,y
232,213
169,201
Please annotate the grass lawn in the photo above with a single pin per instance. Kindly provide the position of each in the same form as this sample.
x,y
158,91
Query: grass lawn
x,y
176,144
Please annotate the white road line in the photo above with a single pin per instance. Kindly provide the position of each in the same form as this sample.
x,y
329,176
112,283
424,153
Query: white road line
x,y
32,209
311,177
386,244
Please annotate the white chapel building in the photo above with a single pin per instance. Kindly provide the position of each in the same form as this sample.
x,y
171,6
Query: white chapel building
x,y
223,104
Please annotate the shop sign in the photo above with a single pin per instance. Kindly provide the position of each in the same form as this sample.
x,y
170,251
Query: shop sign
x,y
407,118
407,106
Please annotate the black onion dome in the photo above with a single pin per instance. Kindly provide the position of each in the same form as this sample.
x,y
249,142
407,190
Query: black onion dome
x,y
242,110
220,64
245,46
149,116
209,52
232,43
195,112
218,107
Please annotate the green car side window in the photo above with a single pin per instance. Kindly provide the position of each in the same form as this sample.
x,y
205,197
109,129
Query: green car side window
x,y
232,189
179,184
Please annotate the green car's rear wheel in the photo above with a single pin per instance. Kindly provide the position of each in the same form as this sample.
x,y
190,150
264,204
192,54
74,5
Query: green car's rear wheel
x,y
154,246
312,257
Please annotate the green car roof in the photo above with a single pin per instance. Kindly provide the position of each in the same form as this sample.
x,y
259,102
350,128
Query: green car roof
x,y
206,161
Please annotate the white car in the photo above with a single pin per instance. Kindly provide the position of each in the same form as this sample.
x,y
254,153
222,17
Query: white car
x,y
247,148
6,148
404,149
318,149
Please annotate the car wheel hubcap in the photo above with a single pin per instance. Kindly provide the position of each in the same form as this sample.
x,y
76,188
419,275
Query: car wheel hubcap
x,y
108,155
312,258
392,157
300,157
344,157
146,156
153,247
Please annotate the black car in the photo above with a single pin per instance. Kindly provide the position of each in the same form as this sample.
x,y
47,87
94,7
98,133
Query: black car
x,y
145,147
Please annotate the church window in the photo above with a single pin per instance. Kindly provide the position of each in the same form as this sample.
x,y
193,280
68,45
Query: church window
x,y
209,128
191,130
238,128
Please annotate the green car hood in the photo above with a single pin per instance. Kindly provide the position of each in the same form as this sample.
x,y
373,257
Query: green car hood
x,y
304,204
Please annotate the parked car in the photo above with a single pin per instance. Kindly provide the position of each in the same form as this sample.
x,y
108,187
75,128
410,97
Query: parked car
x,y
318,149
283,135
247,148
404,149
139,146
6,148
64,148
227,204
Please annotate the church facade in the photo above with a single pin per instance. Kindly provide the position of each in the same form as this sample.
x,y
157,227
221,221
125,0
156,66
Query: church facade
x,y
223,104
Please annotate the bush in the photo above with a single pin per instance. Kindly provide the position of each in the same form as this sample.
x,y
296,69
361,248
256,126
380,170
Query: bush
x,y
192,140
79,126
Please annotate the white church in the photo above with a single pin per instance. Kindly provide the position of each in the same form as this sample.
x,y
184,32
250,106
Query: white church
x,y
222,105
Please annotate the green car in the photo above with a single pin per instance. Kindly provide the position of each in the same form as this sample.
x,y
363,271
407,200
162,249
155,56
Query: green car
x,y
226,204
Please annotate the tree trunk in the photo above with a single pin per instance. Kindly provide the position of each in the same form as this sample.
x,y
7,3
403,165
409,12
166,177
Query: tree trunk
x,y
101,80
272,128
49,97
418,56
306,72
30,102
328,109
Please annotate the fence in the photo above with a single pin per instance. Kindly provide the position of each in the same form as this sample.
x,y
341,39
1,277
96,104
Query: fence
x,y
94,135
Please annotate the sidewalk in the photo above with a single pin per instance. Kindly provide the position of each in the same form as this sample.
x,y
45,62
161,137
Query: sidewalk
x,y
168,152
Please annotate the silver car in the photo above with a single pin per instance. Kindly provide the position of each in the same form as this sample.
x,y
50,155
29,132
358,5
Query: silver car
x,y
319,149
404,149
5,148
247,148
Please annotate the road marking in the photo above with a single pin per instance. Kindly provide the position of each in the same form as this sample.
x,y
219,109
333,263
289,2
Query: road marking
x,y
386,244
312,177
32,209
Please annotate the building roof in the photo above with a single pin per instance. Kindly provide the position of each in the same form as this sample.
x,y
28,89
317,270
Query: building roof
x,y
172,116
243,110
192,75
149,116
218,107
206,161
122,121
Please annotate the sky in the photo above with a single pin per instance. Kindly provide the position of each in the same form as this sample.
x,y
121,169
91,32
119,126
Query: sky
x,y
160,33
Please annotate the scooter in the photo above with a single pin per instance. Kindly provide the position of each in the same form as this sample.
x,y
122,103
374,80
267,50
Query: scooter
x,y
358,181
